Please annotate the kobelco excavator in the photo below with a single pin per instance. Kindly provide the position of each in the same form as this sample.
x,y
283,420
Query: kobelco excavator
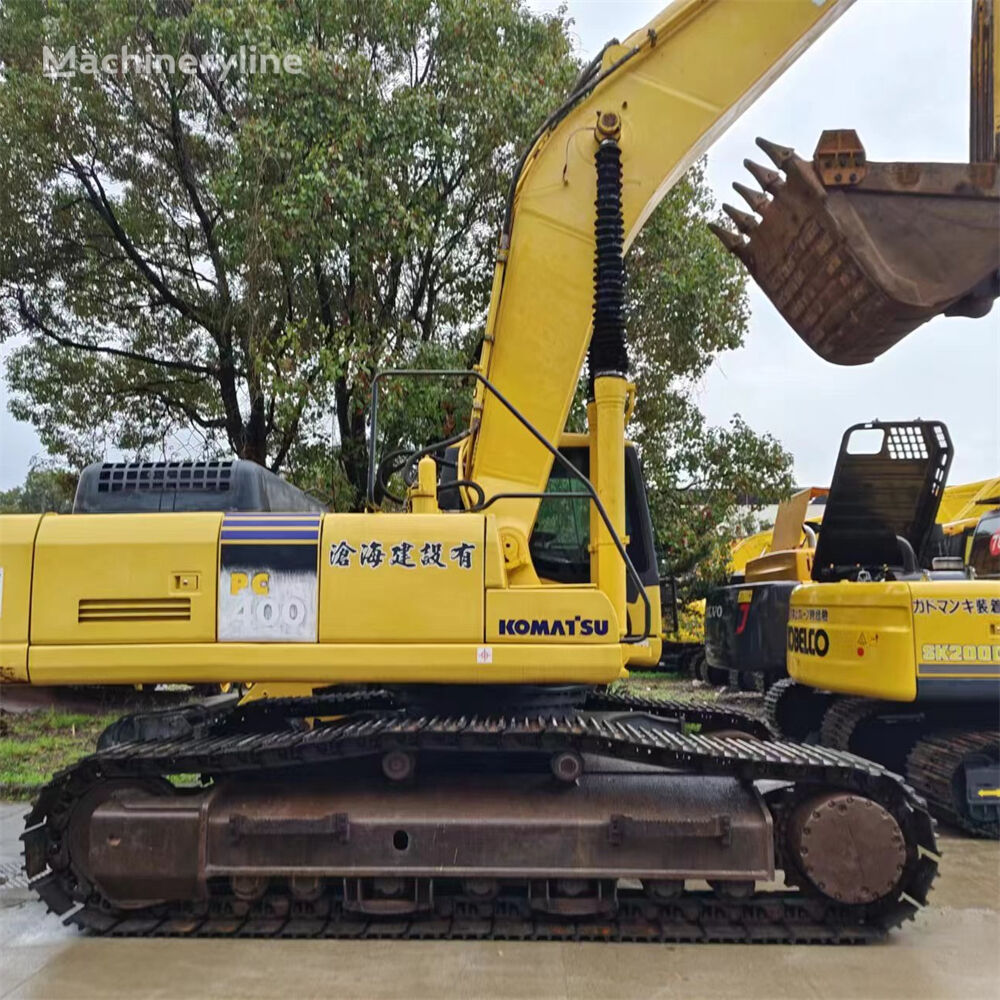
x,y
461,767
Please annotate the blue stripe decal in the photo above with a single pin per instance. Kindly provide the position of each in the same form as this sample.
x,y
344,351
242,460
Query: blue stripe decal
x,y
261,534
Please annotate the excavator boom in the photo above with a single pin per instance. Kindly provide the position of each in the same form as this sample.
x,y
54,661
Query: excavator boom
x,y
675,85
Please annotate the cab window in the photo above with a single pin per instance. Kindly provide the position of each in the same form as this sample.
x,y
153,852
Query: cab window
x,y
560,542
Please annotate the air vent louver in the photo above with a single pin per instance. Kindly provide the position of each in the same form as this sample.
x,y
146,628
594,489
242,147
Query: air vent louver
x,y
135,609
115,476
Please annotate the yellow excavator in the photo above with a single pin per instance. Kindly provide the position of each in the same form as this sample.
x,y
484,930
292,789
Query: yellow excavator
x,y
745,619
462,767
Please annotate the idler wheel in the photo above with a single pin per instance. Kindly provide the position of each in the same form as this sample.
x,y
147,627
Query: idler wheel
x,y
848,846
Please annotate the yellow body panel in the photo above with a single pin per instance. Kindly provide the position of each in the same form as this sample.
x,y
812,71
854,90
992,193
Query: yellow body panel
x,y
202,597
645,654
957,630
146,578
697,66
17,540
433,599
525,662
789,564
855,638
884,640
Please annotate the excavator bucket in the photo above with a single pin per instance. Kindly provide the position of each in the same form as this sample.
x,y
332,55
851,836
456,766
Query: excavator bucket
x,y
856,255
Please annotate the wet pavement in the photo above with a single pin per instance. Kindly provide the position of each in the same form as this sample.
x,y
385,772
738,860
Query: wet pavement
x,y
952,949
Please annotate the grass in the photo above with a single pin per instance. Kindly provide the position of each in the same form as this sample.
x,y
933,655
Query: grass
x,y
33,745
662,685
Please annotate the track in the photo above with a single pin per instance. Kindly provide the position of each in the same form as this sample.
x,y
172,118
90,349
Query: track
x,y
793,915
933,766
929,744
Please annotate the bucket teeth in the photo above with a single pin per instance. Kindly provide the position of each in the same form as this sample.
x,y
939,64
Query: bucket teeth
x,y
757,200
733,242
744,221
769,180
778,155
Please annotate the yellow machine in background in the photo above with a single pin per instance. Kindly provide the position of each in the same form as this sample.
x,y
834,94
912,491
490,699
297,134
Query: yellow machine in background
x,y
959,503
964,502
898,663
472,763
915,670
802,511
750,652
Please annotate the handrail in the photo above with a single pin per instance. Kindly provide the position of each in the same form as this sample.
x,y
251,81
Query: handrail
x,y
535,433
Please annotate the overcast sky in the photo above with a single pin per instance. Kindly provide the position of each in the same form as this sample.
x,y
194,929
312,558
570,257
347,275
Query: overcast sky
x,y
897,72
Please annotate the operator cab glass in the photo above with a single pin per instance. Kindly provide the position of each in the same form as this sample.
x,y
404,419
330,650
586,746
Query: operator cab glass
x,y
560,541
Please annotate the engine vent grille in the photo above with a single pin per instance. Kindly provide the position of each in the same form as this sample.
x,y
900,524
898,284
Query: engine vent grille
x,y
115,476
135,609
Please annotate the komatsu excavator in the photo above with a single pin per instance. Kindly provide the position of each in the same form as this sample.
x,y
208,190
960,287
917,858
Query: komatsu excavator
x,y
461,768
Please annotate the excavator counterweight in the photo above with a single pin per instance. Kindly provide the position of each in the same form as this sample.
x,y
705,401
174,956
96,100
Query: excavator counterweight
x,y
855,255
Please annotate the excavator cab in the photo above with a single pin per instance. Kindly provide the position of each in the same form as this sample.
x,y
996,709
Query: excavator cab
x,y
855,254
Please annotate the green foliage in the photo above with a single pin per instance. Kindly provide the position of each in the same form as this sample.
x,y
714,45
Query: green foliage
x,y
687,302
237,256
44,489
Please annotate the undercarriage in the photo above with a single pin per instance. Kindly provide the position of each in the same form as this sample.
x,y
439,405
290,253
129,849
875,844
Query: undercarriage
x,y
616,818
950,753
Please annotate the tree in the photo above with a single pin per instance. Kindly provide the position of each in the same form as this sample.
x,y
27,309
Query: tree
x,y
686,302
235,253
45,488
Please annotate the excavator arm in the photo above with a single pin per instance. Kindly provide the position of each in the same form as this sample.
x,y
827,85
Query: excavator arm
x,y
675,86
